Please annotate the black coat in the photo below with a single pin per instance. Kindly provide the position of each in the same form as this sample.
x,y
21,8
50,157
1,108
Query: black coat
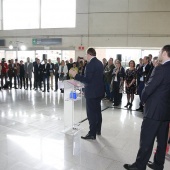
x,y
93,79
156,94
38,70
144,73
22,70
46,70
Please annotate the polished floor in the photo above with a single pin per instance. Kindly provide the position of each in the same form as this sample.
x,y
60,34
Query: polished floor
x,y
32,138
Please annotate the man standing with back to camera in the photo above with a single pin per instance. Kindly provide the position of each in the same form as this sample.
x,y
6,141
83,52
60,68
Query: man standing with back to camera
x,y
156,98
94,91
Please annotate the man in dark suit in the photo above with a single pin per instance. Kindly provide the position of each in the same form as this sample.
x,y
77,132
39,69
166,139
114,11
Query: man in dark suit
x,y
38,74
46,74
51,72
22,74
94,91
143,72
12,72
156,98
56,68
34,65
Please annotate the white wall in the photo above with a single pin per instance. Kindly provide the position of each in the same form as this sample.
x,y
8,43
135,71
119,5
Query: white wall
x,y
109,23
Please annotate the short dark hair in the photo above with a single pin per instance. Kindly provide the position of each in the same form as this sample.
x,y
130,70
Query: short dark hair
x,y
167,49
91,51
111,59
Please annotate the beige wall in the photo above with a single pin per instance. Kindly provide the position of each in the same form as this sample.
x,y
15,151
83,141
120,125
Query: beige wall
x,y
109,23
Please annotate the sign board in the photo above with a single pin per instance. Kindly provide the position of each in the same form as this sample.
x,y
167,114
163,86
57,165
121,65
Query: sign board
x,y
47,41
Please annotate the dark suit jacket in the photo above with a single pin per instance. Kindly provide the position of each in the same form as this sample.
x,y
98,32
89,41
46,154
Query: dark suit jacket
x,y
12,70
56,68
93,79
38,70
22,70
150,72
52,68
156,94
46,70
144,73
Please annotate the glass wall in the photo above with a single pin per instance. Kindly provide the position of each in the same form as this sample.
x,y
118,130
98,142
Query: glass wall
x,y
126,54
53,54
67,54
2,54
147,52
23,55
10,55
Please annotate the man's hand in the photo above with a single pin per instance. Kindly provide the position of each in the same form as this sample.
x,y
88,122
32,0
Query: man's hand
x,y
72,72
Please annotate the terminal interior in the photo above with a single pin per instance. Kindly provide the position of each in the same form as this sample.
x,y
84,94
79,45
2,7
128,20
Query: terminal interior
x,y
32,123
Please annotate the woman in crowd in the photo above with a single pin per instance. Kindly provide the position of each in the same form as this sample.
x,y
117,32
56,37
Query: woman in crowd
x,y
80,69
73,68
130,83
117,82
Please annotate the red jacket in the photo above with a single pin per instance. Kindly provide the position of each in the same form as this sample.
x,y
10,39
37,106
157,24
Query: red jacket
x,y
4,68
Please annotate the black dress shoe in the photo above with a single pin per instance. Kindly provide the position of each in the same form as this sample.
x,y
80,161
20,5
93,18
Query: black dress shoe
x,y
130,167
115,104
43,91
140,109
98,133
88,137
151,165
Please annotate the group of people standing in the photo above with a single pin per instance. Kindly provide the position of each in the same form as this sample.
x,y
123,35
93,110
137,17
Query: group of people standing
x,y
21,74
134,79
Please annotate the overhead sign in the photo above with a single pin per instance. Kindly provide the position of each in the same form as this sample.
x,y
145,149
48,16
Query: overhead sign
x,y
46,41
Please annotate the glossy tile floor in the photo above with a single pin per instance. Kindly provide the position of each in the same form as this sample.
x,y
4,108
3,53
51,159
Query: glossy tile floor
x,y
32,138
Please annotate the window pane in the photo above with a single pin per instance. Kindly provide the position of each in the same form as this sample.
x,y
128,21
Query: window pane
x,y
51,54
58,13
2,54
10,55
147,52
67,54
21,14
23,55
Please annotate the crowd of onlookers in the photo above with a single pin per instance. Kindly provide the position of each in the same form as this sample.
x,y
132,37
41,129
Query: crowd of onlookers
x,y
131,81
46,74
43,73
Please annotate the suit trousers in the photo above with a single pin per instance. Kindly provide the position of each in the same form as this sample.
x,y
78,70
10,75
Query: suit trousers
x,y
3,75
22,80
93,108
51,77
30,80
10,79
37,81
46,77
56,81
116,94
151,129
139,91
